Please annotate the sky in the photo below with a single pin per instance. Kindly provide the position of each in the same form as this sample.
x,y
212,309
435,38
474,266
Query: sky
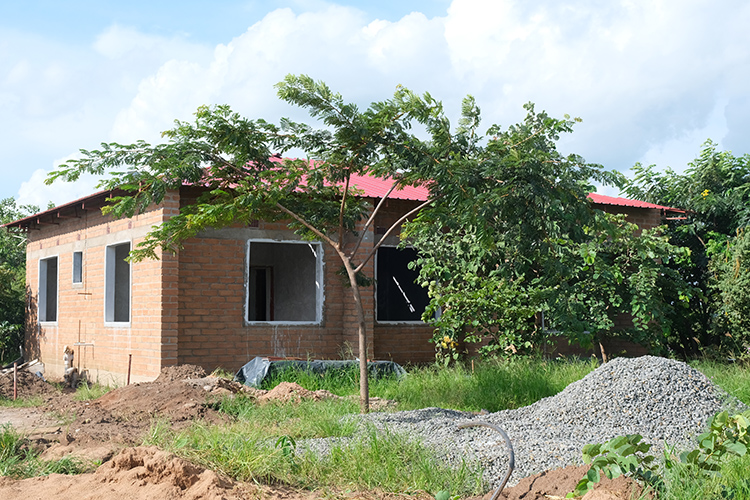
x,y
651,80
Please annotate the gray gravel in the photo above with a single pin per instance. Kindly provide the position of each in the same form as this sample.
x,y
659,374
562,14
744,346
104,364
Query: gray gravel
x,y
665,401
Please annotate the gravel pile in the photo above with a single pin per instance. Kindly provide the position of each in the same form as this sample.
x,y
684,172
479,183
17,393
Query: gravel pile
x,y
665,401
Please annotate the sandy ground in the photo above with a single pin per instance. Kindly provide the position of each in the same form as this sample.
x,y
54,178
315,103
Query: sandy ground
x,y
109,429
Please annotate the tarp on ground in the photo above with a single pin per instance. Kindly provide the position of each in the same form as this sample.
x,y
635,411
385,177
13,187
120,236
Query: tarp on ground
x,y
256,370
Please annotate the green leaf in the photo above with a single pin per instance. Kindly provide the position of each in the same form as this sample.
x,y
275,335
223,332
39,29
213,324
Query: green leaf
x,y
593,475
443,495
738,449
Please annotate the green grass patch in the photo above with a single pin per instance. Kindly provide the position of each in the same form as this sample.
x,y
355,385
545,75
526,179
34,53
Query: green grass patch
x,y
342,382
733,482
491,385
306,419
732,377
88,391
25,402
20,461
387,462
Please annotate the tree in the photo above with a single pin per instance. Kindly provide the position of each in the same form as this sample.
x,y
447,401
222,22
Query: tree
x,y
521,242
715,192
12,277
239,161
730,279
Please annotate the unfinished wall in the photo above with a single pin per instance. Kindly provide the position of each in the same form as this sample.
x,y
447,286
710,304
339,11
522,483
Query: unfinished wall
x,y
213,328
149,335
213,318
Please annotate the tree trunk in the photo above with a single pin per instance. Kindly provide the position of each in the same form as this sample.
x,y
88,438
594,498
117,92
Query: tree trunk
x,y
364,387
604,352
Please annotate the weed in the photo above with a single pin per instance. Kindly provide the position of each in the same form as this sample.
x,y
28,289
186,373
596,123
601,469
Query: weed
x,y
18,460
87,392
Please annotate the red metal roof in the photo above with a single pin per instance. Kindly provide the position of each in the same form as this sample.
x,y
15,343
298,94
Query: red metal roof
x,y
624,202
378,187
371,187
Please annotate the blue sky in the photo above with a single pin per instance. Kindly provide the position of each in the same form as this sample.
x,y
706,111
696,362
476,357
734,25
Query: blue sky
x,y
651,80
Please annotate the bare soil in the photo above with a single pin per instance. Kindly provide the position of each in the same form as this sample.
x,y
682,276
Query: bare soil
x,y
110,428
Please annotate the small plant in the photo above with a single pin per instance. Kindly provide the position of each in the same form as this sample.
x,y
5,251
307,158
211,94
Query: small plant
x,y
446,349
446,495
626,455
725,436
87,391
623,455
288,448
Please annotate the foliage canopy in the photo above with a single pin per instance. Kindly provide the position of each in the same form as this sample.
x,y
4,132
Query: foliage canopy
x,y
715,192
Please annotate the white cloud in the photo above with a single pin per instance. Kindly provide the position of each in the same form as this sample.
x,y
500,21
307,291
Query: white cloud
x,y
648,79
35,192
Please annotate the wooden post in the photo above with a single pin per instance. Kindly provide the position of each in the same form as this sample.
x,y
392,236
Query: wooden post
x,y
130,362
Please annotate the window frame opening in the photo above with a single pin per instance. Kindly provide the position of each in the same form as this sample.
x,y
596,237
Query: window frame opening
x,y
117,285
407,294
77,278
269,275
49,290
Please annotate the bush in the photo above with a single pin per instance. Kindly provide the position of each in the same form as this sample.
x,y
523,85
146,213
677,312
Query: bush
x,y
731,268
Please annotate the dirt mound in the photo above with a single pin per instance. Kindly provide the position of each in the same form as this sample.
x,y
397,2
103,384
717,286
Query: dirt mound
x,y
180,372
133,473
559,482
175,401
147,472
27,384
289,391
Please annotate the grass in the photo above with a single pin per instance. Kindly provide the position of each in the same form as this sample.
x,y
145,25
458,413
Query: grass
x,y
25,402
343,382
732,377
384,461
267,442
490,385
88,391
303,420
19,461
733,482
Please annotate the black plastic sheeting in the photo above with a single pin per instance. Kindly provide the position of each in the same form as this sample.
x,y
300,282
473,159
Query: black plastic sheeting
x,y
257,369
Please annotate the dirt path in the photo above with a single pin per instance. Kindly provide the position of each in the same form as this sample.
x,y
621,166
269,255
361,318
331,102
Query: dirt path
x,y
27,420
109,429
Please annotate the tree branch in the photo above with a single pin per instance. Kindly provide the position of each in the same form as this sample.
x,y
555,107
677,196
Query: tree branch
x,y
388,233
341,210
372,217
309,226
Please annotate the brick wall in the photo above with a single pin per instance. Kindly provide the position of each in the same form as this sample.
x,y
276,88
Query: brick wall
x,y
190,307
213,331
149,336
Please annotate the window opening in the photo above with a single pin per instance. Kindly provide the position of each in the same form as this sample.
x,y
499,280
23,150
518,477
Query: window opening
x,y
284,282
117,284
77,267
48,289
399,297
261,294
